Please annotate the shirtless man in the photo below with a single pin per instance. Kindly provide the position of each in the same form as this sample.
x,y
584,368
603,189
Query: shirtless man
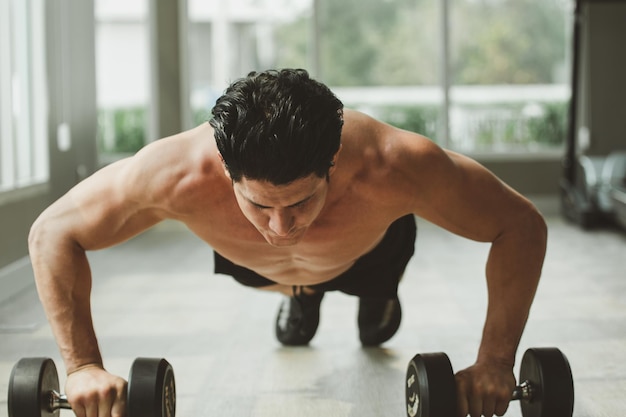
x,y
295,195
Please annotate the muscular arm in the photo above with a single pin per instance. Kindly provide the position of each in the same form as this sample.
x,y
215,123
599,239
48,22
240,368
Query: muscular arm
x,y
468,200
412,174
103,210
463,197
111,206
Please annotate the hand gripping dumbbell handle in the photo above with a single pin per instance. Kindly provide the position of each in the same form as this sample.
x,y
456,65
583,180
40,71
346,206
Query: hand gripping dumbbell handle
x,y
58,401
523,391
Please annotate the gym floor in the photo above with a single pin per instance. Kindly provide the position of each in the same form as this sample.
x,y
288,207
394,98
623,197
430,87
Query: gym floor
x,y
156,296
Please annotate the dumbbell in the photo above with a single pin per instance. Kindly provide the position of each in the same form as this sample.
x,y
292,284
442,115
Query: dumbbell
x,y
546,390
34,389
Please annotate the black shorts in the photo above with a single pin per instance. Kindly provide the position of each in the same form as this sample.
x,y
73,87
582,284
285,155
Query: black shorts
x,y
375,274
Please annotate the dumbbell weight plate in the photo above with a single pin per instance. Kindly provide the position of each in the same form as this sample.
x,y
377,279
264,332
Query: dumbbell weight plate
x,y
151,389
30,384
430,386
551,376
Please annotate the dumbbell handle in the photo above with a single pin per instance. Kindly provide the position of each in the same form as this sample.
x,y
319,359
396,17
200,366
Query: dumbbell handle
x,y
58,401
523,391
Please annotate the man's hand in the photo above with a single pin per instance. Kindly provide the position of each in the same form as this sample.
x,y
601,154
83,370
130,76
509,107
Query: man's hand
x,y
93,392
484,389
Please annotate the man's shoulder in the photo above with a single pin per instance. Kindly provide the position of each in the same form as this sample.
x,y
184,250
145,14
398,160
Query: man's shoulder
x,y
176,171
390,164
184,151
383,145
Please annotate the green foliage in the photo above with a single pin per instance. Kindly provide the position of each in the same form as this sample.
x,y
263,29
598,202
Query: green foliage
x,y
418,119
551,128
506,129
367,42
397,42
510,129
517,131
293,41
122,130
508,41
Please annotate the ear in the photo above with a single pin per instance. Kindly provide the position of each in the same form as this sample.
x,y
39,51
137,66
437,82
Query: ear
x,y
224,166
333,165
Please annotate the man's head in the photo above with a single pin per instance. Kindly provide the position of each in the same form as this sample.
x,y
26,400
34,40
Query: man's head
x,y
277,126
278,133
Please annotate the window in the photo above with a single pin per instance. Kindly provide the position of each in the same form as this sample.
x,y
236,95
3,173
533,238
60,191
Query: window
x,y
122,76
382,57
509,74
368,52
473,75
23,112
227,40
499,82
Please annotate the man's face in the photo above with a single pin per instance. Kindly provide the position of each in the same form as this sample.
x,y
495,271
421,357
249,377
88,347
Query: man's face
x,y
282,213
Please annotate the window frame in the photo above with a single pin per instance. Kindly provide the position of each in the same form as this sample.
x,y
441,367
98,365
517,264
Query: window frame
x,y
24,153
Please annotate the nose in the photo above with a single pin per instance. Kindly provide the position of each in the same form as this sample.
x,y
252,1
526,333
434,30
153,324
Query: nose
x,y
281,222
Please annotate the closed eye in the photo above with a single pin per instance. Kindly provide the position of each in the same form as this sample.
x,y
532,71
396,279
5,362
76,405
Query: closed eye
x,y
301,203
295,205
259,206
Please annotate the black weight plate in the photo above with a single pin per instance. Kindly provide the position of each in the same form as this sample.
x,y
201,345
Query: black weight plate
x,y
32,380
430,386
151,389
550,374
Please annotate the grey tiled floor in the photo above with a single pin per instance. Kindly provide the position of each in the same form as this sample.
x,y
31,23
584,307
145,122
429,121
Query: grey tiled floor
x,y
156,296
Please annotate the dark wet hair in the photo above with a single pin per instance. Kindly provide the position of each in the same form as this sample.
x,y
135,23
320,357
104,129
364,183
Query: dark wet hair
x,y
277,126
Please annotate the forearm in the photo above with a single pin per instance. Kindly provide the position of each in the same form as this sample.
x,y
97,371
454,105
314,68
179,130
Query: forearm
x,y
63,280
513,272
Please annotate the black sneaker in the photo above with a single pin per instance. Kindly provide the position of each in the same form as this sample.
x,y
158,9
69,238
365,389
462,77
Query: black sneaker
x,y
379,319
298,318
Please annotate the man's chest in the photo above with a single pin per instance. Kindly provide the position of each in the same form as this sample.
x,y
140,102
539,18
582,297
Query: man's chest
x,y
330,246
